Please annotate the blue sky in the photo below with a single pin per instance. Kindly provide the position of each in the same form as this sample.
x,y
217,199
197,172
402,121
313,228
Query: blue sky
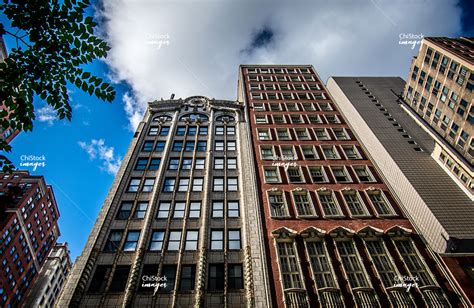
x,y
159,48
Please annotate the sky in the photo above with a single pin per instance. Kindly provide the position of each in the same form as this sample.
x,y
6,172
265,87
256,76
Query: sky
x,y
195,48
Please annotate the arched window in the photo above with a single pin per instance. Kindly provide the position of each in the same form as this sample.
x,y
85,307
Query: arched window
x,y
225,118
162,118
194,117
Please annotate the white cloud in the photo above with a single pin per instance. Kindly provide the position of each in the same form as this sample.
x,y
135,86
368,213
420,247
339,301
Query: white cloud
x,y
195,48
97,149
46,114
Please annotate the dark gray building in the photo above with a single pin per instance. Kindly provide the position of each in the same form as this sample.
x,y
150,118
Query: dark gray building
x,y
181,224
402,150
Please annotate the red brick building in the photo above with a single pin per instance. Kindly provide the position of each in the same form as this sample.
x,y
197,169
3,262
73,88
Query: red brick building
x,y
28,222
334,234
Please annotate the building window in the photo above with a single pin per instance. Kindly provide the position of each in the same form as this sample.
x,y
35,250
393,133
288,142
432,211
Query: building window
x,y
157,238
340,174
321,134
330,153
153,131
233,210
147,146
174,240
271,175
317,174
177,146
141,164
301,134
100,278
169,271
164,131
294,175
120,278
231,163
234,239
113,242
160,146
197,184
382,262
261,119
309,152
267,152
231,146
186,164
352,265
188,277
163,210
282,134
236,281
203,130
179,208
232,184
230,130
192,130
140,211
201,146
340,134
219,146
217,209
217,239
263,134
124,211
200,164
173,164
363,174
148,185
218,184
192,238
219,130
351,152
134,184
154,164
288,262
168,185
303,203
320,264
218,163
329,204
216,277
354,203
276,200
380,203
181,131
194,209
189,146
131,241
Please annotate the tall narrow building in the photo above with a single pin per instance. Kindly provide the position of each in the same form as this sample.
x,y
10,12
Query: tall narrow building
x,y
335,235
439,91
28,225
181,224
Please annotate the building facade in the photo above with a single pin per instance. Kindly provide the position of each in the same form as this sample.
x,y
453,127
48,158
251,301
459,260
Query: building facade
x,y
335,236
439,90
46,289
180,226
402,151
28,220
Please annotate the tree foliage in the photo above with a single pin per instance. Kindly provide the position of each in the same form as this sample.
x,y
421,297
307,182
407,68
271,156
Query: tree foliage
x,y
54,43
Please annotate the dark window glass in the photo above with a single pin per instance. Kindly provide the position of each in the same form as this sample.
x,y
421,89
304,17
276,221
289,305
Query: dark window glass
x,y
141,164
181,130
125,210
192,130
119,280
203,130
235,277
169,271
160,146
201,145
154,164
188,274
113,242
216,277
177,146
146,285
99,280
147,146
164,131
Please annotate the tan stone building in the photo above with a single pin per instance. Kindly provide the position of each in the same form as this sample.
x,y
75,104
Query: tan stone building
x,y
439,91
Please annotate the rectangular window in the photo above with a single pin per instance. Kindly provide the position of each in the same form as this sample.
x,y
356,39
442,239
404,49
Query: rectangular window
x,y
192,238
169,271
340,134
153,131
174,241
219,146
277,204
120,278
203,130
230,130
330,153
218,184
160,146
219,130
134,184
263,134
340,174
188,277
309,152
164,131
289,269
124,211
282,134
113,242
231,145
294,175
317,174
321,265
200,164
303,204
217,239
141,164
168,185
321,134
231,163
351,152
147,146
201,146
186,165
217,209
100,278
414,262
380,203
382,262
181,131
163,210
192,130
329,204
216,277
195,209
234,239
148,185
179,208
197,184
173,164
232,184
189,146
266,152
351,264
141,210
154,164
235,281
233,209
131,241
271,174
177,146
218,163
363,174
354,203
157,238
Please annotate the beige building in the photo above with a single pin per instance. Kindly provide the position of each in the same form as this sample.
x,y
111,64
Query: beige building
x,y
439,92
181,224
